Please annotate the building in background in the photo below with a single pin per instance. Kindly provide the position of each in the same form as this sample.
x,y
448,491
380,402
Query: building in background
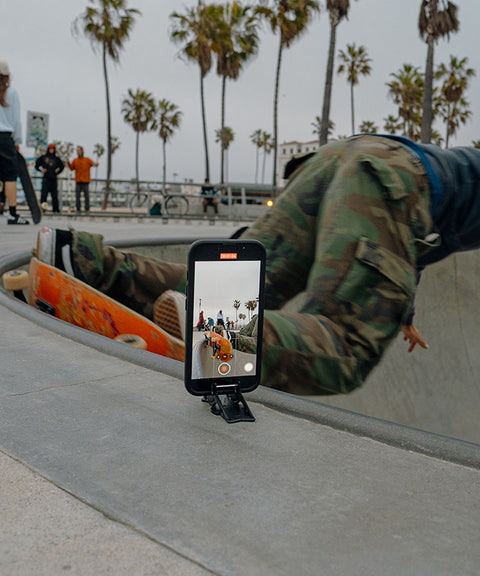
x,y
289,150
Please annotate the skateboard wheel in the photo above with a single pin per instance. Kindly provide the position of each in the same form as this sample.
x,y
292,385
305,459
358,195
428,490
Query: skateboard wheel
x,y
132,340
15,280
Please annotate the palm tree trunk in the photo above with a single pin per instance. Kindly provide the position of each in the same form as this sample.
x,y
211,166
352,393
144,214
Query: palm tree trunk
x,y
137,142
222,157
256,164
264,162
427,115
328,84
109,131
164,165
447,135
275,115
204,121
353,108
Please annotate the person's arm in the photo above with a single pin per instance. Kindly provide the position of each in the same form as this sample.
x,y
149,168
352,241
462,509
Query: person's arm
x,y
410,333
17,125
39,164
60,165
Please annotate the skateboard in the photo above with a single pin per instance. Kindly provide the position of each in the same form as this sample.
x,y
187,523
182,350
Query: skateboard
x,y
222,347
67,298
28,189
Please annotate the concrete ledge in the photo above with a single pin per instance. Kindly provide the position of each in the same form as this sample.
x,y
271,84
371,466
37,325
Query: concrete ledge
x,y
434,445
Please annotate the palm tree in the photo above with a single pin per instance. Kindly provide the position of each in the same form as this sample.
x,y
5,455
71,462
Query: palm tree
x,y
453,115
236,305
64,149
256,138
392,124
236,41
107,23
169,118
139,110
438,18
355,62
267,145
406,91
224,136
291,18
338,10
196,30
250,305
454,108
368,127
115,144
317,126
99,151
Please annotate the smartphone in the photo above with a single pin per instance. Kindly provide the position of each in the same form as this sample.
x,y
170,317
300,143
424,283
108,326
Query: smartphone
x,y
225,286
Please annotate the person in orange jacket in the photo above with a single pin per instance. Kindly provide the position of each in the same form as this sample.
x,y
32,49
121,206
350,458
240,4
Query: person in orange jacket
x,y
81,164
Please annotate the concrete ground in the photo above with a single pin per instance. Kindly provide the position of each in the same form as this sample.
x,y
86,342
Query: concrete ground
x,y
108,466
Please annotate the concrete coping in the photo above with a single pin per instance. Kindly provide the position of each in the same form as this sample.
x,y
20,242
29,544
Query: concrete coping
x,y
412,439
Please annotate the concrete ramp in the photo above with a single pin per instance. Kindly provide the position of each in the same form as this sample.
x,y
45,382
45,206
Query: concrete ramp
x,y
206,366
437,390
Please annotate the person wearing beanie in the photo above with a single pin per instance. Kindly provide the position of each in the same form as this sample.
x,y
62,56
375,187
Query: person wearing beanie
x,y
50,165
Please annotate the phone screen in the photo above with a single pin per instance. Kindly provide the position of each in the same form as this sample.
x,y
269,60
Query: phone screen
x,y
224,314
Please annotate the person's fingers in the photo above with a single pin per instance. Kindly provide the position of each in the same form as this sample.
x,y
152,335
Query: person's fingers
x,y
411,334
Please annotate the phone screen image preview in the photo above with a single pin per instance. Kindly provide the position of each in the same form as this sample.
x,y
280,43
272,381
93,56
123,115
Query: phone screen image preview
x,y
225,297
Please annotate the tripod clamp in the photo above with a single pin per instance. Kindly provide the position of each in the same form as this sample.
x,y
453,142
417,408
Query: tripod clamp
x,y
227,401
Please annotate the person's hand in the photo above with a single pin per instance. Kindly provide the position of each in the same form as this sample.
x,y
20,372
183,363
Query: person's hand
x,y
411,334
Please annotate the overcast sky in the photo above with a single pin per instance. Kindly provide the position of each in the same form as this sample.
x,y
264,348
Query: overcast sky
x,y
61,75
240,282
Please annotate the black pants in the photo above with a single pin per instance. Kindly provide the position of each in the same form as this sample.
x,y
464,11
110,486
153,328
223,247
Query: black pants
x,y
79,188
50,185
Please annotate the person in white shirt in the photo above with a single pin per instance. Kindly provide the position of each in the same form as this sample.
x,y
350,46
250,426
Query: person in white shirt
x,y
10,140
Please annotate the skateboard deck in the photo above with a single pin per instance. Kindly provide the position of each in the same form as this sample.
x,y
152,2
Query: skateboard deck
x,y
73,301
28,189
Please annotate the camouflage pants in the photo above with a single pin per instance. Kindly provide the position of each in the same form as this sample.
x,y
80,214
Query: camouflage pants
x,y
342,243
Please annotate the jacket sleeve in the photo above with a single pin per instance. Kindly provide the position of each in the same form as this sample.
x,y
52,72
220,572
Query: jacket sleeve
x,y
60,165
39,163
17,128
411,313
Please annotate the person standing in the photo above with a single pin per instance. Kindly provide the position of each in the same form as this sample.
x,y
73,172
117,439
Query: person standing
x,y
201,321
82,165
10,140
50,165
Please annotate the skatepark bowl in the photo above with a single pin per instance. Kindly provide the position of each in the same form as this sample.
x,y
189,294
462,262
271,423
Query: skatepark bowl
x,y
426,401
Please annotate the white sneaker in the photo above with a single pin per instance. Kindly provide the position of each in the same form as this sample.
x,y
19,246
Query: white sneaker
x,y
169,313
17,220
54,248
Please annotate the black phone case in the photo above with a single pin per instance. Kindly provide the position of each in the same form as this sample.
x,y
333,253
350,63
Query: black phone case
x,y
205,251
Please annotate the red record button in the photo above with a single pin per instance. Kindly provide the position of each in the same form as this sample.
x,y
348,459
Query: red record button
x,y
224,369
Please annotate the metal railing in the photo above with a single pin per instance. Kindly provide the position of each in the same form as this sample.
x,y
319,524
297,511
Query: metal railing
x,y
236,200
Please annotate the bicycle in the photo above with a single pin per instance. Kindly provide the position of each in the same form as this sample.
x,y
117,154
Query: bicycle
x,y
172,204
